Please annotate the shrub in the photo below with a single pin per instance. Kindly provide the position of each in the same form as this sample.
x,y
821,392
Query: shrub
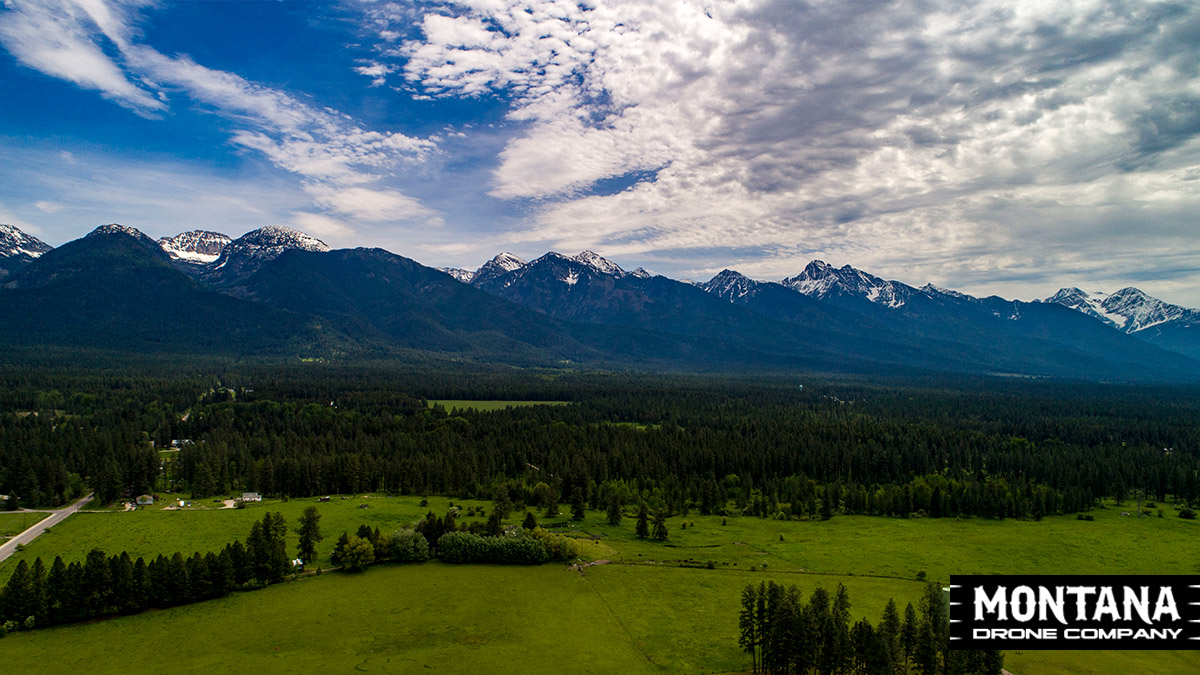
x,y
407,545
1187,513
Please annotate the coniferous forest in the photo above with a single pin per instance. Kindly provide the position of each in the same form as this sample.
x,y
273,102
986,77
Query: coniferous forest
x,y
789,448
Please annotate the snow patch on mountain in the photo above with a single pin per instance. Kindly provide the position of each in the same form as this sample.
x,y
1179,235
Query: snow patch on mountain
x,y
730,285
933,291
124,230
640,273
197,246
497,267
16,244
821,280
1128,310
268,243
599,263
459,274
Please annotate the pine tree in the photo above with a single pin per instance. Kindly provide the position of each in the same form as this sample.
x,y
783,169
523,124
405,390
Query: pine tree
x,y
56,590
908,634
748,639
888,633
577,507
643,522
614,511
16,598
660,525
339,546
310,534
530,522
37,590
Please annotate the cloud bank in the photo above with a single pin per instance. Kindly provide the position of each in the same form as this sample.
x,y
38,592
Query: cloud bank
x,y
961,142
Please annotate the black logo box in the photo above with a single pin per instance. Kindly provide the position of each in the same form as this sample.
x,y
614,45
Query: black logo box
x,y
968,631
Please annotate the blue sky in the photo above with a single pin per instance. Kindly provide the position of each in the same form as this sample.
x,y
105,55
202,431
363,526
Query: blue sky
x,y
992,146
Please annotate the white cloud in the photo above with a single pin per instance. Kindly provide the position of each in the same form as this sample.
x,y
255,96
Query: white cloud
x,y
991,142
65,40
48,207
371,205
324,147
321,226
378,72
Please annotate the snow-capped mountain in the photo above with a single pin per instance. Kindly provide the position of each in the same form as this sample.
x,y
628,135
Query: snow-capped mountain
x,y
1128,310
197,246
249,252
505,264
640,273
121,230
16,244
821,280
599,263
464,276
730,285
18,249
497,267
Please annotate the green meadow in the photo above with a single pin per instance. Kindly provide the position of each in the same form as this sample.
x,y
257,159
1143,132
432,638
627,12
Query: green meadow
x,y
14,523
489,406
655,607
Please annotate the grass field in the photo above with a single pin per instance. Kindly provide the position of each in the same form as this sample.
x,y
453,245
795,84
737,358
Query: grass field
x,y
642,613
488,406
155,530
14,523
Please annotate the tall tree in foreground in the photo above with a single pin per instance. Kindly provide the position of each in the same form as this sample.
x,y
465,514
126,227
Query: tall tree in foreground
x,y
643,522
310,534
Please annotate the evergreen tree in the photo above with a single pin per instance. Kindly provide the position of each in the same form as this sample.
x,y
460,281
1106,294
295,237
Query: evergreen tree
x,y
577,505
143,593
16,598
888,633
748,638
908,634
335,556
310,534
660,525
530,522
643,522
56,591
97,583
37,589
614,511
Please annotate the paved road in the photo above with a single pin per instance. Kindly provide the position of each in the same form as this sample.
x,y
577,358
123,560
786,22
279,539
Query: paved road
x,y
56,517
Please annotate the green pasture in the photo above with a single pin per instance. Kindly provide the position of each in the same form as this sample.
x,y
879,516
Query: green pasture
x,y
148,532
14,523
397,619
488,406
655,607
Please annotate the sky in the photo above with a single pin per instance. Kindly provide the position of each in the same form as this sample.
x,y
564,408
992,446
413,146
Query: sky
x,y
1004,147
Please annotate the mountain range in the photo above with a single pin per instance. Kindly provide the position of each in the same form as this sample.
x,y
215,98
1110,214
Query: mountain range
x,y
278,292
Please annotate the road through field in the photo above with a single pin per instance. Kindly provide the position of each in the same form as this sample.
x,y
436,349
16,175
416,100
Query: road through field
x,y
29,535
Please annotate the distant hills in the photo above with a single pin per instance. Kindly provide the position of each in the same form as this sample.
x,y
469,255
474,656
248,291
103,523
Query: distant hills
x,y
279,292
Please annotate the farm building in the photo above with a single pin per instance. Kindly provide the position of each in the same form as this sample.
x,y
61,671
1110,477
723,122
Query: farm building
x,y
251,497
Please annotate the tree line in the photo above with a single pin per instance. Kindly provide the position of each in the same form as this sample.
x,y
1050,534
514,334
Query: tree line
x,y
106,585
786,635
988,448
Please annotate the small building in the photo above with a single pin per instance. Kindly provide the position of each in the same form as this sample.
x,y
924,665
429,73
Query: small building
x,y
251,497
145,500
323,499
